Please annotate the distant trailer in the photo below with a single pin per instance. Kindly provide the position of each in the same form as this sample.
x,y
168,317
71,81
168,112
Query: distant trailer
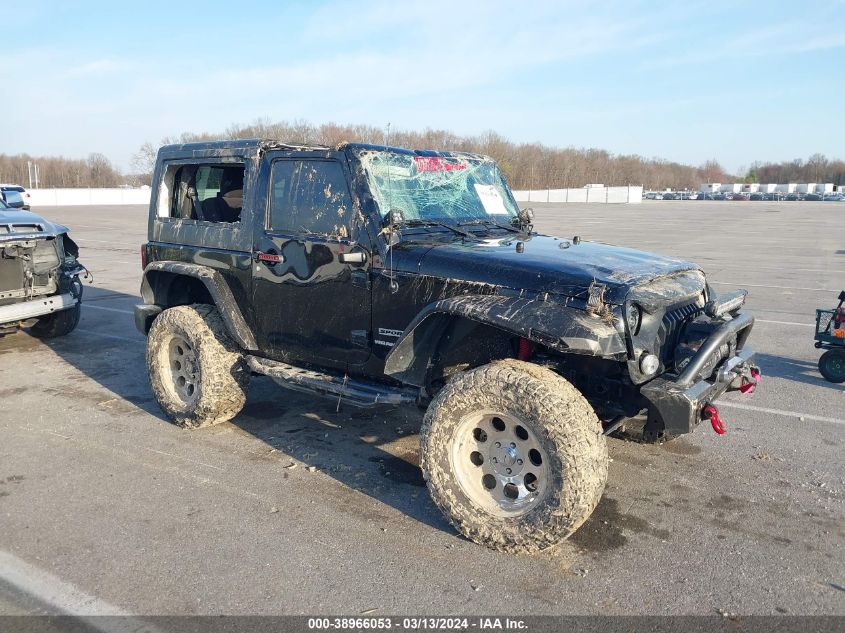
x,y
786,187
824,187
750,187
731,188
768,188
806,187
710,187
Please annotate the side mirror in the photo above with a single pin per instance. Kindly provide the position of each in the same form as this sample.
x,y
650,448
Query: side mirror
x,y
524,220
14,199
393,218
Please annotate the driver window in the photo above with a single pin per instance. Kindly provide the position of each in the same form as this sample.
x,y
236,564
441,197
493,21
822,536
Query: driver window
x,y
309,197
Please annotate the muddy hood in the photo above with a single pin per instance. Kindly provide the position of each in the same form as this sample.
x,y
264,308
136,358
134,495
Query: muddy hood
x,y
545,264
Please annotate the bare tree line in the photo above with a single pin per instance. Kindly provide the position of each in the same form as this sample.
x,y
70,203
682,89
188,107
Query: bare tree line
x,y
58,171
818,168
526,165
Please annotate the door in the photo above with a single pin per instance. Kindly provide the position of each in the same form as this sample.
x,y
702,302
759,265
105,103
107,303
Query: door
x,y
311,295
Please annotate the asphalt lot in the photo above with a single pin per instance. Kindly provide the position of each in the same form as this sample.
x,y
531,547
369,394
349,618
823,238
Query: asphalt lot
x,y
293,508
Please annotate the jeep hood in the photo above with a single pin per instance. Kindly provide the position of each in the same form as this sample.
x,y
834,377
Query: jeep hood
x,y
544,264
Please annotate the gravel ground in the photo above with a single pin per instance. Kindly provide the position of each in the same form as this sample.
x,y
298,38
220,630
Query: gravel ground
x,y
293,508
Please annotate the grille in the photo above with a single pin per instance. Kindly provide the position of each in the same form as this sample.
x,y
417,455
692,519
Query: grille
x,y
11,274
825,317
670,329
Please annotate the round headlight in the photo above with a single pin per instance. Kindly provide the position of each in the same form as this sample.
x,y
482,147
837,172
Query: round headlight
x,y
649,364
634,316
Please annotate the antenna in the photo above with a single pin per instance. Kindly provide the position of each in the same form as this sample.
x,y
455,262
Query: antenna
x,y
394,285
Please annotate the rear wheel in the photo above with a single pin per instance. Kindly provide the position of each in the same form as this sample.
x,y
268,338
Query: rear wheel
x,y
197,373
513,455
832,365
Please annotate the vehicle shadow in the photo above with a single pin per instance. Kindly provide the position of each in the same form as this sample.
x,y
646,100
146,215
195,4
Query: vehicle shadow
x,y
373,451
107,349
794,369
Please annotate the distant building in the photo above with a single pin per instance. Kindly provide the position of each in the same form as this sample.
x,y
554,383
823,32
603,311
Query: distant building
x,y
789,187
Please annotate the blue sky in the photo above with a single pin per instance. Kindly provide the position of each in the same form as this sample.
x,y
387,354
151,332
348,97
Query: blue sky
x,y
685,81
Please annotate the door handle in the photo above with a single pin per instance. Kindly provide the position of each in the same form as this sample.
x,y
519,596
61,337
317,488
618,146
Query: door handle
x,y
268,258
355,257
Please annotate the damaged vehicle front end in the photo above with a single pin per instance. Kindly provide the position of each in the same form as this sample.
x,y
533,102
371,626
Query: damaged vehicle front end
x,y
40,286
635,332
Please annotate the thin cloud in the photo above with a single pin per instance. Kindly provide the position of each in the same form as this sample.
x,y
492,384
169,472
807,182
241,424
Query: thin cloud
x,y
97,68
768,41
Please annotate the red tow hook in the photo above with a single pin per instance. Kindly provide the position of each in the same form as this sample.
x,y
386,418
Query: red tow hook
x,y
751,385
525,349
712,413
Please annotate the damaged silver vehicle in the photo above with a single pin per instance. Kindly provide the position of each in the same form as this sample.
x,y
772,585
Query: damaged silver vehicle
x,y
40,286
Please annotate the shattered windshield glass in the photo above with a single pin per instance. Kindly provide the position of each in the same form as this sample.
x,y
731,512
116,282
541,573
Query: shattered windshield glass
x,y
443,188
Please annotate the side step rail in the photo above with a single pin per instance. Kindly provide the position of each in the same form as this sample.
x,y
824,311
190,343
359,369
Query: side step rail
x,y
350,390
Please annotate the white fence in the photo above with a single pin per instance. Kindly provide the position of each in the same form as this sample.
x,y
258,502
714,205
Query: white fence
x,y
618,195
80,197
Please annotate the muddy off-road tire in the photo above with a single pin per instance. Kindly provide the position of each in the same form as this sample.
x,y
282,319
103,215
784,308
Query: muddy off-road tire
x,y
832,365
197,373
513,455
58,323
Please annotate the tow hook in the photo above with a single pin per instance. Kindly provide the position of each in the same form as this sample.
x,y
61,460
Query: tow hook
x,y
525,349
750,385
712,413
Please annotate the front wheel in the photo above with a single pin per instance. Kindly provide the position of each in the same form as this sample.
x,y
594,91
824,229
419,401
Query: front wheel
x,y
58,323
832,365
513,455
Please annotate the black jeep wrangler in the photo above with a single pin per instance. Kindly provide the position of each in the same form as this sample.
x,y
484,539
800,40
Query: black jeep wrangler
x,y
385,276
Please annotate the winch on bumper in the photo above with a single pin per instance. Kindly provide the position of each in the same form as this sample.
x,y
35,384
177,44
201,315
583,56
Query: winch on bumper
x,y
677,403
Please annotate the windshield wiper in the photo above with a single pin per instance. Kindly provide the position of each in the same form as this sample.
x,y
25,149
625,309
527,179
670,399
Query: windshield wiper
x,y
421,222
485,221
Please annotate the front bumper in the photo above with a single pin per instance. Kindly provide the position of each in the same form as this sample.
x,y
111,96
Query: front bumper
x,y
144,315
36,307
676,403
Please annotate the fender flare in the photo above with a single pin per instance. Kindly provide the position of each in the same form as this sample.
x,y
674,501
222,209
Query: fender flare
x,y
217,287
559,327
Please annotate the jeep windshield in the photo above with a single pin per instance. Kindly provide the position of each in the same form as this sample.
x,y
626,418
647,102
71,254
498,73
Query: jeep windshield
x,y
439,189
